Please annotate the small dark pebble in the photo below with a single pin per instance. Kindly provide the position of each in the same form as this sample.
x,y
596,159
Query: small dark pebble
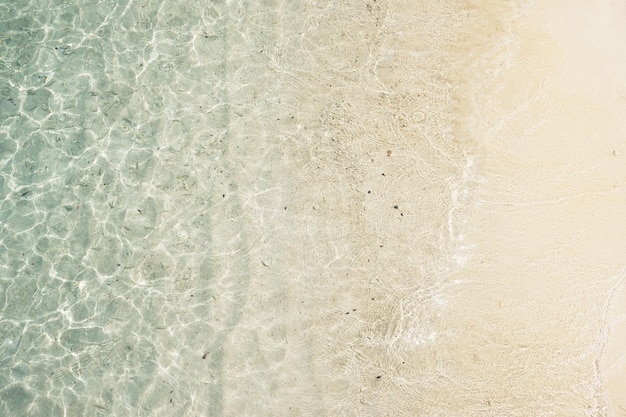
x,y
396,206
205,355
378,377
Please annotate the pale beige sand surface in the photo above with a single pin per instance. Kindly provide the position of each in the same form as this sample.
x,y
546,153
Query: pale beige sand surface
x,y
456,223
544,294
593,69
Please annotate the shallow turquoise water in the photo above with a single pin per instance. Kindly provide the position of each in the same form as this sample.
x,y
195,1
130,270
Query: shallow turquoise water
x,y
114,117
228,208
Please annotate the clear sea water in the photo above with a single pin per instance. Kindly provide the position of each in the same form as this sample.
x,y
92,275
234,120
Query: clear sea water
x,y
114,116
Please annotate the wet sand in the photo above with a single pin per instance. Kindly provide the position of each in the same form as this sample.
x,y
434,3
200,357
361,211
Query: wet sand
x,y
544,294
461,234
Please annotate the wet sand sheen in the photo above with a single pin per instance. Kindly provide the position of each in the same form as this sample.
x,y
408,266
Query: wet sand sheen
x,y
370,244
486,289
542,291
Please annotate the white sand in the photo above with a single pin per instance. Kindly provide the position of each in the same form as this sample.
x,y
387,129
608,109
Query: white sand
x,y
449,235
546,102
595,51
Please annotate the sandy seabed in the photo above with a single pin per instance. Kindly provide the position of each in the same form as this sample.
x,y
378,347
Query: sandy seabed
x,y
463,230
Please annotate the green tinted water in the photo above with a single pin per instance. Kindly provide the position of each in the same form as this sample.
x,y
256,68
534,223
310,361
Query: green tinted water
x,y
228,208
114,119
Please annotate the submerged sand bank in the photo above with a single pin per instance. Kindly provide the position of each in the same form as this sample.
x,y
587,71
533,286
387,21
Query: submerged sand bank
x,y
445,236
